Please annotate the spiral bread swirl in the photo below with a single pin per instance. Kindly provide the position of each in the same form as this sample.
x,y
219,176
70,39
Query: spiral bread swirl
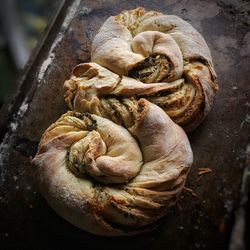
x,y
116,163
157,48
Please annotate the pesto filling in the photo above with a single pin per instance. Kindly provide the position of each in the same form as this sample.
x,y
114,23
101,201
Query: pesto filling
x,y
155,68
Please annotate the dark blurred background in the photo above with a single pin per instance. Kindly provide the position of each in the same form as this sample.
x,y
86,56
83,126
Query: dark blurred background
x,y
22,24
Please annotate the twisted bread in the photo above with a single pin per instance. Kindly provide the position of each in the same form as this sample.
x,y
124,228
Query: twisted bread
x,y
116,163
156,48
99,177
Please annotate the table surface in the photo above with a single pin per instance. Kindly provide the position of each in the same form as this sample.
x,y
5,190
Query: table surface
x,y
204,221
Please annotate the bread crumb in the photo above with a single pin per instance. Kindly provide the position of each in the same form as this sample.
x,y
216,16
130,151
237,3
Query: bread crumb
x,y
191,191
203,171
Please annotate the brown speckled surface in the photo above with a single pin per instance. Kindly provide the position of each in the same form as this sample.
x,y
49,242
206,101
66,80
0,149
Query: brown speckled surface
x,y
201,222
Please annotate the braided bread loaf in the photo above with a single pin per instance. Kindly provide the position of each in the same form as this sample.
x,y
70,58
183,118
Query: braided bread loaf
x,y
116,163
